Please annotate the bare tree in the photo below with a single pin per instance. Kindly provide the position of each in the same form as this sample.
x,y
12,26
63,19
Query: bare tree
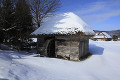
x,y
43,8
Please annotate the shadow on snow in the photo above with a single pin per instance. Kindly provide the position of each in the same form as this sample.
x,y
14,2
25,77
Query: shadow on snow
x,y
4,79
95,50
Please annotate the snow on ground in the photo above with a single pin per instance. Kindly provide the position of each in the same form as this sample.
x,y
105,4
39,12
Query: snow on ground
x,y
102,65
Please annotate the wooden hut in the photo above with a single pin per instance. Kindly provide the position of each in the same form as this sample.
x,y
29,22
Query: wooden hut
x,y
64,35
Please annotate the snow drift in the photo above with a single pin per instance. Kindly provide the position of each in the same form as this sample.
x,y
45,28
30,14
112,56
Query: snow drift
x,y
102,65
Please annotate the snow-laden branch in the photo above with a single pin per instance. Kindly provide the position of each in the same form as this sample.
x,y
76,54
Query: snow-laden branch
x,y
9,28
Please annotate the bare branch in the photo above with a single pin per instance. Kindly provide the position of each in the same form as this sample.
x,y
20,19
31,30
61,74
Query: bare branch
x,y
43,8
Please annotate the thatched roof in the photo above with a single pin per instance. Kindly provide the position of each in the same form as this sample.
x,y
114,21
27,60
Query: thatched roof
x,y
66,23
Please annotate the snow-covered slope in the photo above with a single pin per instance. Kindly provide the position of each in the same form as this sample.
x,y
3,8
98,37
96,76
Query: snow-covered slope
x,y
63,24
104,64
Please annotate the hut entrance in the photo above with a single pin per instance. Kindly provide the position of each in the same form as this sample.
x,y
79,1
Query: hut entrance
x,y
51,48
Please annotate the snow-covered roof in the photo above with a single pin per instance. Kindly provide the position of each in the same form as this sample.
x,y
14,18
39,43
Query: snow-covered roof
x,y
105,35
63,24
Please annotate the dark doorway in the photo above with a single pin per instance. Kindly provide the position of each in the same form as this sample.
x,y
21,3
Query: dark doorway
x,y
51,48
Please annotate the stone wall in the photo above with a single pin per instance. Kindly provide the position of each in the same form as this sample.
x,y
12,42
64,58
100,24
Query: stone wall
x,y
72,48
67,49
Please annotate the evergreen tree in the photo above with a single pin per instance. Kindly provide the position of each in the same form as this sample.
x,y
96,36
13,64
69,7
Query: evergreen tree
x,y
7,19
0,15
23,20
0,10
1,33
115,37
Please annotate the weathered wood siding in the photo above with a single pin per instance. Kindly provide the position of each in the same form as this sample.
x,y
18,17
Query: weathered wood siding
x,y
40,45
83,48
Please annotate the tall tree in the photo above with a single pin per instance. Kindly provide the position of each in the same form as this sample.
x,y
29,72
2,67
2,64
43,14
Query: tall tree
x,y
1,33
24,24
0,14
0,8
23,19
43,8
7,18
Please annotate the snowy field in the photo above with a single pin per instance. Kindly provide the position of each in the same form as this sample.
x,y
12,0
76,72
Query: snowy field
x,y
104,64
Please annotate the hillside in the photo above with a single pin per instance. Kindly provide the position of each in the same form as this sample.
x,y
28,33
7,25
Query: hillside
x,y
114,32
